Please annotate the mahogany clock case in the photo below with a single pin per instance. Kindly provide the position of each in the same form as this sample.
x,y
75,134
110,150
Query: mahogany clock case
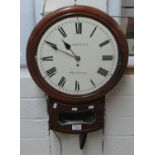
x,y
61,14
82,118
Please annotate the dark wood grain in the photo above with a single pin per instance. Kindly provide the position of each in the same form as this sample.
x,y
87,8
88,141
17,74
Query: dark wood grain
x,y
54,113
129,70
72,11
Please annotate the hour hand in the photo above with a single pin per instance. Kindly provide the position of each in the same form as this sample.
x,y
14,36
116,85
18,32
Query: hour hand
x,y
68,46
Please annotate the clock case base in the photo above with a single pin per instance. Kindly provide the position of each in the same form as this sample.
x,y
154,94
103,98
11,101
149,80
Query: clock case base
x,y
76,119
83,118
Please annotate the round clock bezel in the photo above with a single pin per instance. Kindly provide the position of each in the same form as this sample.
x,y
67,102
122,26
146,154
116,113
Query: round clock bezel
x,y
61,14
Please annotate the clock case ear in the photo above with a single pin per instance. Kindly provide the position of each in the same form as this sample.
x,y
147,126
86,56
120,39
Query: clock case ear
x,y
61,14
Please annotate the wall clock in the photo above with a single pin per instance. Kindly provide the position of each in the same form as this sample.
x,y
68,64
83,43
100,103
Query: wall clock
x,y
76,55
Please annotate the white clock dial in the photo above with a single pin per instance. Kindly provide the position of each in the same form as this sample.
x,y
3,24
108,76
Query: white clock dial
x,y
77,55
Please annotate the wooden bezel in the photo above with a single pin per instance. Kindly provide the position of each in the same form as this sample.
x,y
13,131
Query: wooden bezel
x,y
61,14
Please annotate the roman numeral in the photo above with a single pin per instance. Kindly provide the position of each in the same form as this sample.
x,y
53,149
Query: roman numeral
x,y
92,82
104,43
51,72
54,46
93,32
50,58
107,57
102,72
61,30
62,82
77,86
78,27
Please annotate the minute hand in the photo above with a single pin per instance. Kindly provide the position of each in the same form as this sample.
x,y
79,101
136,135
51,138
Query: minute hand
x,y
54,46
66,53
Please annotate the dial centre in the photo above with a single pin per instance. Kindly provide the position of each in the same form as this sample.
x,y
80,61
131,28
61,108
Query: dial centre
x,y
78,58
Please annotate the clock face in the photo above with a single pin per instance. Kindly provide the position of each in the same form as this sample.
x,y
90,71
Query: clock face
x,y
77,55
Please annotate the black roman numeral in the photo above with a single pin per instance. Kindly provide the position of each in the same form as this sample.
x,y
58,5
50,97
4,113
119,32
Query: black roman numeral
x,y
77,86
50,58
107,57
78,27
61,30
51,72
62,82
104,43
102,72
92,82
93,32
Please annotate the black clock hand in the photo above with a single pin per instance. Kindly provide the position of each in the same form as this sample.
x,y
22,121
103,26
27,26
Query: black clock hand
x,y
54,46
66,53
68,47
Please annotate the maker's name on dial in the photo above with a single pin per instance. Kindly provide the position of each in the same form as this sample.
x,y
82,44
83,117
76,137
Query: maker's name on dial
x,y
80,44
80,73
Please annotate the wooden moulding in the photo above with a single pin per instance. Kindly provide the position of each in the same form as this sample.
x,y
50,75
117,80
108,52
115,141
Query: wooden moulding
x,y
129,70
